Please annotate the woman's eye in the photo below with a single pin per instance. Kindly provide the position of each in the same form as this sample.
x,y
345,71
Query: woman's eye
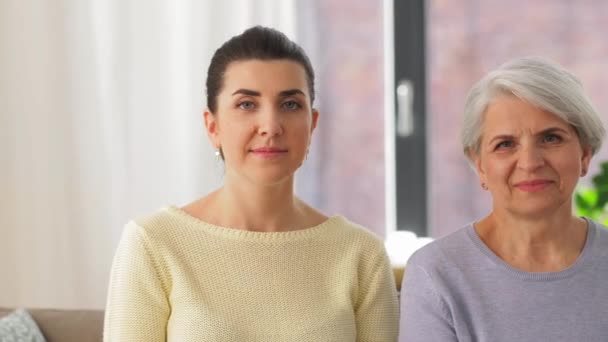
x,y
504,144
246,105
552,138
291,105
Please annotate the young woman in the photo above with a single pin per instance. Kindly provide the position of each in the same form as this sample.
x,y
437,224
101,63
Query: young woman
x,y
251,261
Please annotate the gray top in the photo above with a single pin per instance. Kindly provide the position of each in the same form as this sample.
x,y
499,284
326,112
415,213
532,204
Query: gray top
x,y
457,289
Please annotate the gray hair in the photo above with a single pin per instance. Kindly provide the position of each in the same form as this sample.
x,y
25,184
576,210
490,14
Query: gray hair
x,y
541,83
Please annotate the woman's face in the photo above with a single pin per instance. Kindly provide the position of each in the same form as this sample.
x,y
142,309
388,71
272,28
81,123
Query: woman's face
x,y
264,120
529,159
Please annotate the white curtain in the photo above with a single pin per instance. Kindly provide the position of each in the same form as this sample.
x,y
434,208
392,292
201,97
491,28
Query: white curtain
x,y
100,121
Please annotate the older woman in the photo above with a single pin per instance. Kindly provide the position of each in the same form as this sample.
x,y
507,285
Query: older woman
x,y
530,270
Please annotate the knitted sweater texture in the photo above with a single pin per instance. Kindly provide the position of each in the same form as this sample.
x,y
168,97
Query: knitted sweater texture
x,y
176,278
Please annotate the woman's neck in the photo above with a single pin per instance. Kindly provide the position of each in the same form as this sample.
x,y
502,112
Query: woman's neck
x,y
254,207
259,208
548,244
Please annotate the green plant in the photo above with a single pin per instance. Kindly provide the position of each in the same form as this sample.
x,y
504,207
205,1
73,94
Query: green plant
x,y
590,201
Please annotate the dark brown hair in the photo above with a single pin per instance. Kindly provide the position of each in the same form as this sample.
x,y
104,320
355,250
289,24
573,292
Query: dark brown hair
x,y
255,43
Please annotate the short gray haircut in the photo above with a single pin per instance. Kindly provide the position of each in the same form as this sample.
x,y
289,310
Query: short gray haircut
x,y
541,83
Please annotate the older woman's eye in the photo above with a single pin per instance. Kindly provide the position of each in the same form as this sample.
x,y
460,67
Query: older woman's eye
x,y
246,105
291,105
552,138
504,144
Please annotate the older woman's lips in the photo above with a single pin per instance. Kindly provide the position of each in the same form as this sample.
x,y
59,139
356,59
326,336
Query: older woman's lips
x,y
268,152
533,185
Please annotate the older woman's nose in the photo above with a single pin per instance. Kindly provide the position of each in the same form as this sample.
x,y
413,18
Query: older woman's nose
x,y
530,158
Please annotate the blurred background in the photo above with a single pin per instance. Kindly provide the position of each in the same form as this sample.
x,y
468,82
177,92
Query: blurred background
x,y
101,115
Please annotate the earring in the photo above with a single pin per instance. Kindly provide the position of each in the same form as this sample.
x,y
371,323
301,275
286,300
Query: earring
x,y
484,186
219,155
583,172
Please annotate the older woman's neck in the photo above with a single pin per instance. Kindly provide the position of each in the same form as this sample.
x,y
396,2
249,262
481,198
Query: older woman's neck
x,y
533,244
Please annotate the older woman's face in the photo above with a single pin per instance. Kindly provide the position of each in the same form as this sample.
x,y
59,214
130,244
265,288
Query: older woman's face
x,y
529,159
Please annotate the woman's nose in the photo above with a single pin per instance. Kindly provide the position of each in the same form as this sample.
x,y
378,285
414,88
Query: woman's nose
x,y
270,123
531,158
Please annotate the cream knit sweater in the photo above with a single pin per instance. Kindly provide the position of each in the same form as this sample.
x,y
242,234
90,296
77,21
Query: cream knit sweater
x,y
176,278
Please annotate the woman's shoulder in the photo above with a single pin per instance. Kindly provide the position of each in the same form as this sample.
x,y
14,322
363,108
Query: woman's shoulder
x,y
602,229
144,236
349,230
600,236
452,248
338,226
159,219
157,225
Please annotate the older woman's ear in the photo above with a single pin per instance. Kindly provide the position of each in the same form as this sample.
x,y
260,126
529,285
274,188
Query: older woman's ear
x,y
473,157
476,163
586,159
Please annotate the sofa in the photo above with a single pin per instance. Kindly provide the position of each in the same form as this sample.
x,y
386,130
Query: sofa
x,y
66,325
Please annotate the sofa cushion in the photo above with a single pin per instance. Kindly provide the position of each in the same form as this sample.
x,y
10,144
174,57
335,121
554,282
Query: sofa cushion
x,y
19,326
67,325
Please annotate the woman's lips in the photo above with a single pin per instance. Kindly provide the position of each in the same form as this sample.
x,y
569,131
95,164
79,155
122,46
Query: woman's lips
x,y
533,185
268,152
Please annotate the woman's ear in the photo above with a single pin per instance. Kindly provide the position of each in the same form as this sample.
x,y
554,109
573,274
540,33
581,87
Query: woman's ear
x,y
212,126
315,118
476,160
586,159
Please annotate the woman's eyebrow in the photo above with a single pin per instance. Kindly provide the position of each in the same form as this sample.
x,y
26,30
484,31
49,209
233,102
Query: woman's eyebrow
x,y
291,92
284,93
500,137
552,130
246,92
